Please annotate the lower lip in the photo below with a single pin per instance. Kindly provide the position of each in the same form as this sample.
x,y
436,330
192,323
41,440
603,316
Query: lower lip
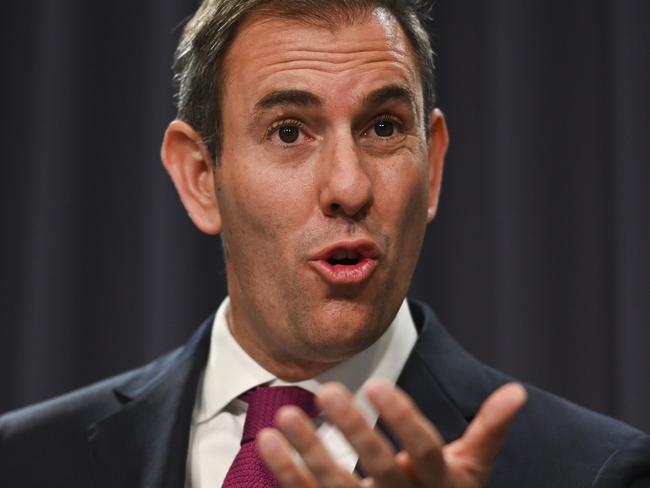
x,y
340,274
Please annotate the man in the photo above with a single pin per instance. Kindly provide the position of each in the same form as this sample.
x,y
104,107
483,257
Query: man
x,y
308,139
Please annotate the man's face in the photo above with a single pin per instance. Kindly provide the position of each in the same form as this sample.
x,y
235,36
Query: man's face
x,y
324,187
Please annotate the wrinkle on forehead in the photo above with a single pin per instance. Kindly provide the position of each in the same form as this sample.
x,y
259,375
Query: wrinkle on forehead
x,y
277,53
296,50
330,66
295,33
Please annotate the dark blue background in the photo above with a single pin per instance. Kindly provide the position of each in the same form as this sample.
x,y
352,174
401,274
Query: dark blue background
x,y
538,262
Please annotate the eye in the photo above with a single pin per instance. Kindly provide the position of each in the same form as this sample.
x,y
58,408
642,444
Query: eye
x,y
384,128
286,132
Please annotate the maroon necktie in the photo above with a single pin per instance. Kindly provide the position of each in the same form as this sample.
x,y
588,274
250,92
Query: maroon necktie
x,y
248,470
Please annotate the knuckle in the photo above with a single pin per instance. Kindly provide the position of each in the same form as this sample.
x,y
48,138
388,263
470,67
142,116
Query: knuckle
x,y
401,411
425,451
332,479
288,477
372,448
353,422
386,472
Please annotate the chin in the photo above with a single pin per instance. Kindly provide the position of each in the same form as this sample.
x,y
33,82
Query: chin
x,y
345,331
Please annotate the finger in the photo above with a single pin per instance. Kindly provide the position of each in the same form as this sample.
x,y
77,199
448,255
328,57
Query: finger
x,y
300,433
276,453
405,464
483,438
419,439
375,454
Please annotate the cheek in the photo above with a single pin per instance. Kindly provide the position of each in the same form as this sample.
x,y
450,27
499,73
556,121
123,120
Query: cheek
x,y
262,207
401,196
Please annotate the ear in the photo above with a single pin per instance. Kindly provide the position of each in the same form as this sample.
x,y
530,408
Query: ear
x,y
190,167
438,144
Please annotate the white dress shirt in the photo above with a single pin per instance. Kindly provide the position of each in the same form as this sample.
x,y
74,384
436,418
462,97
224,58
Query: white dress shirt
x,y
218,417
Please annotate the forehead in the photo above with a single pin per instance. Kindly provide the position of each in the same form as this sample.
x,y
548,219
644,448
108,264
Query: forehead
x,y
347,60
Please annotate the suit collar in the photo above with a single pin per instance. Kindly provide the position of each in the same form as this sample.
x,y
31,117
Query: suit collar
x,y
462,378
144,443
419,382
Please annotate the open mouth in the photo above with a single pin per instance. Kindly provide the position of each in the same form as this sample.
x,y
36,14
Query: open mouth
x,y
347,263
344,258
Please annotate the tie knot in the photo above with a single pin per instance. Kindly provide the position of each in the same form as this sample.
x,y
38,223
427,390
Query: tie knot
x,y
265,401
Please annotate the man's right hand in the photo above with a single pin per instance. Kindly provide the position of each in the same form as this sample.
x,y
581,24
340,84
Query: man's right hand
x,y
425,460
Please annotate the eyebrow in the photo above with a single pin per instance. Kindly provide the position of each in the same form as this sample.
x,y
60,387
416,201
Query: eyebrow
x,y
302,98
283,98
388,93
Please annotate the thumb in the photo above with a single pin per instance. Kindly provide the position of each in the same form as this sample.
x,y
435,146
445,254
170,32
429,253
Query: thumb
x,y
484,437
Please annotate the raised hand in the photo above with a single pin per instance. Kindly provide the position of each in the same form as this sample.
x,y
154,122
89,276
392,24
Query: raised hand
x,y
425,460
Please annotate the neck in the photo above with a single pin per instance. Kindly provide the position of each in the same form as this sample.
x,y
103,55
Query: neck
x,y
277,360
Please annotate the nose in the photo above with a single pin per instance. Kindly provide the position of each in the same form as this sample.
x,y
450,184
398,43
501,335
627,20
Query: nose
x,y
346,187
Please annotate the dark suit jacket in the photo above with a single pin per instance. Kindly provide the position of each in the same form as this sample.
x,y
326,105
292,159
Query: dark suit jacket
x,y
132,430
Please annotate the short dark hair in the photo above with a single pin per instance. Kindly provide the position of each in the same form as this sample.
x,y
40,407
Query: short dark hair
x,y
199,58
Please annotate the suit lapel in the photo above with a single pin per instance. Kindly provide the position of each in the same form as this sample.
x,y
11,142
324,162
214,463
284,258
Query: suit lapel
x,y
463,380
417,381
447,383
144,443
421,381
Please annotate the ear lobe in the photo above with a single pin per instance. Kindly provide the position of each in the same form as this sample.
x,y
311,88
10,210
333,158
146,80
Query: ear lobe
x,y
190,167
438,144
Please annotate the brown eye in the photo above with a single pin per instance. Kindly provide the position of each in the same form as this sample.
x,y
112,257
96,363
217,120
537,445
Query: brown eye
x,y
384,128
288,134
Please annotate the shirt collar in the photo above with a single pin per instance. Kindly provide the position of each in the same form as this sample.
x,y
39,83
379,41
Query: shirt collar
x,y
230,371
